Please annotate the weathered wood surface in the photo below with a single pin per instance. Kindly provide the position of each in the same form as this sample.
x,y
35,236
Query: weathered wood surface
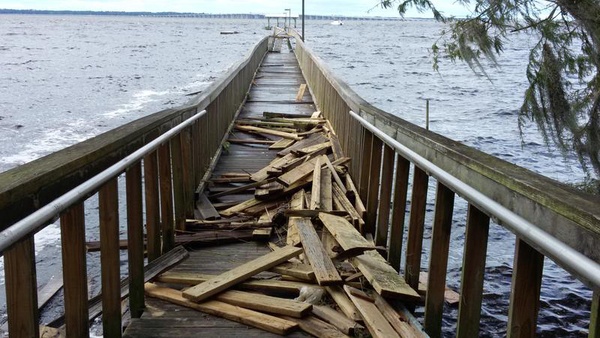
x,y
264,303
325,271
229,278
225,310
377,324
263,285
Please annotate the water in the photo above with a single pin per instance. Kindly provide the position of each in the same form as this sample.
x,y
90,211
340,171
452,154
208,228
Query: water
x,y
66,78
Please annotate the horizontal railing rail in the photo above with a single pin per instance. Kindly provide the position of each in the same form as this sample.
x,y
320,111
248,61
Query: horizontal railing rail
x,y
164,157
38,219
549,218
581,266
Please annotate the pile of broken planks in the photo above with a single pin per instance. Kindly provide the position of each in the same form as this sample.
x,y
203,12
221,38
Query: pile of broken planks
x,y
327,279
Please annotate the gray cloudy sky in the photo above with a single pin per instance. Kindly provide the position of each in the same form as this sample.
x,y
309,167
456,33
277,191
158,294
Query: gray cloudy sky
x,y
333,7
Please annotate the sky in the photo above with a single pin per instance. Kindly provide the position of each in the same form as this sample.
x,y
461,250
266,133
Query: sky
x,y
324,7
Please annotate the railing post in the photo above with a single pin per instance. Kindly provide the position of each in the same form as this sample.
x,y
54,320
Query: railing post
x,y
196,154
21,289
398,212
109,257
525,293
363,188
373,182
595,316
152,206
166,197
135,239
385,198
72,230
438,261
178,185
414,243
188,172
471,285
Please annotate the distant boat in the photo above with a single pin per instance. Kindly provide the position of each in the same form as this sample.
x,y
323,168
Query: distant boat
x,y
337,23
230,32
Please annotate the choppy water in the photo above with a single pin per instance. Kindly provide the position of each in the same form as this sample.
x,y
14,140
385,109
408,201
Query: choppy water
x,y
66,78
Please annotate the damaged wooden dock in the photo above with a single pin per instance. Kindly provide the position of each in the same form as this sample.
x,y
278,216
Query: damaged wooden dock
x,y
267,173
286,189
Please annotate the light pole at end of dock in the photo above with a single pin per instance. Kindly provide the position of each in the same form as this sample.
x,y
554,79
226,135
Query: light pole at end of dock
x,y
302,20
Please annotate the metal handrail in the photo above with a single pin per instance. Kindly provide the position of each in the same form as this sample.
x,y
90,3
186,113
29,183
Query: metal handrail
x,y
580,265
38,219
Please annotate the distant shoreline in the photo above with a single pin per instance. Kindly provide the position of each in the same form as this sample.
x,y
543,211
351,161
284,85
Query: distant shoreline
x,y
193,15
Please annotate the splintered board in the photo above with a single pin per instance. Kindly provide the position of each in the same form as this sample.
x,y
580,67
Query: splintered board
x,y
234,276
325,271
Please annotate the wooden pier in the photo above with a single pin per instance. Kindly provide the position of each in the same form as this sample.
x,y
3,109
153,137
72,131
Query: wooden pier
x,y
274,90
186,167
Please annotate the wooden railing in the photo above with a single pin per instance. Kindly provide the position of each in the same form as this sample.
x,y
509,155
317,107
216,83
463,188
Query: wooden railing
x,y
549,219
168,153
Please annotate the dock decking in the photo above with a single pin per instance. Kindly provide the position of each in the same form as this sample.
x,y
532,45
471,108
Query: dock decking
x,y
274,90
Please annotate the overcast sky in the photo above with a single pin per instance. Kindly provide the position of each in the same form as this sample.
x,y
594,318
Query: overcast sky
x,y
327,7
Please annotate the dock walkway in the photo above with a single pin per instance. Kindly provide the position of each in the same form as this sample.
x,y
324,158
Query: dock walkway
x,y
274,90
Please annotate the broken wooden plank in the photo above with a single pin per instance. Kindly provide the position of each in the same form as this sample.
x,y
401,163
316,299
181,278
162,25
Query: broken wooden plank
x,y
301,91
307,142
298,173
352,192
343,302
450,296
206,209
340,201
344,233
234,313
263,234
326,190
336,147
315,194
312,149
400,324
49,290
297,202
384,278
317,327
268,190
267,205
227,279
264,303
301,271
282,144
337,319
375,321
336,177
287,135
263,173
325,271
240,207
262,285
